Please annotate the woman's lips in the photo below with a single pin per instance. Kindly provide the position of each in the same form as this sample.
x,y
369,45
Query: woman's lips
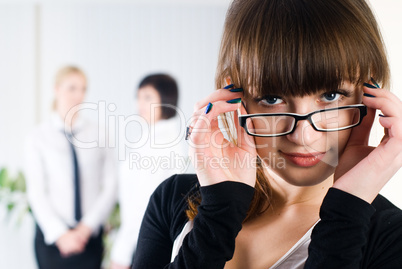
x,y
304,159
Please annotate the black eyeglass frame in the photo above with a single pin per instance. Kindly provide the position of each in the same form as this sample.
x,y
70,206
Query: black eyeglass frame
x,y
298,117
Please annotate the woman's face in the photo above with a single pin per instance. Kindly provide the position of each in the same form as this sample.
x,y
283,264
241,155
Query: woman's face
x,y
300,171
148,103
70,92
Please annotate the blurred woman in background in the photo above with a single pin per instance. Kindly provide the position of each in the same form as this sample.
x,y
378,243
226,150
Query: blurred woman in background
x,y
157,97
71,183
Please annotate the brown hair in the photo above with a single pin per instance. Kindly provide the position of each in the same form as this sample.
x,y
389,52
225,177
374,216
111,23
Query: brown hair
x,y
297,47
62,73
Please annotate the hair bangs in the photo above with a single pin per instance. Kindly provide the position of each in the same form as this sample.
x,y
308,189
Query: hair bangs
x,y
300,47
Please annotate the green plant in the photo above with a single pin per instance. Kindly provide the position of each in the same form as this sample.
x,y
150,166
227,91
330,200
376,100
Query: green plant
x,y
12,183
13,194
110,228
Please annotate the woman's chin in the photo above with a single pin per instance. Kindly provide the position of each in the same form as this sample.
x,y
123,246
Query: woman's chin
x,y
305,176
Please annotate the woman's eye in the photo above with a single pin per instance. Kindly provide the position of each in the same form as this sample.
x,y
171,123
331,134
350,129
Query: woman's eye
x,y
330,96
271,100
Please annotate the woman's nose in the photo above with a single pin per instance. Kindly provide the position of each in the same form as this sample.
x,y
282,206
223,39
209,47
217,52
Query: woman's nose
x,y
304,134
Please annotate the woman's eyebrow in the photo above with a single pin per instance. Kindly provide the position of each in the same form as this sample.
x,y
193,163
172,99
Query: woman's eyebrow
x,y
344,91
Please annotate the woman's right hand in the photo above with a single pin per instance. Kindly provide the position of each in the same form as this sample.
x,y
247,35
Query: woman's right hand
x,y
70,243
115,265
216,159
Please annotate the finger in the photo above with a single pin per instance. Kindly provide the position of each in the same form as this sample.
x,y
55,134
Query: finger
x,y
386,135
219,95
237,125
378,92
217,137
203,123
236,120
387,106
245,141
82,239
78,248
194,118
65,253
393,125
361,133
201,110
366,179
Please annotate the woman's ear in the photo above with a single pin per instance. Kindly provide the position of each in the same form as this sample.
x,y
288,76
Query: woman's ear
x,y
228,80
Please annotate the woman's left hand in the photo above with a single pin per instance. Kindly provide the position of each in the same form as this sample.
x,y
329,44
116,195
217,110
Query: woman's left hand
x,y
83,231
363,170
118,266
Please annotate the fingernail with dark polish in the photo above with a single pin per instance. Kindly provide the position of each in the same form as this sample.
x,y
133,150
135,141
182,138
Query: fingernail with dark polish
x,y
381,115
208,108
374,82
236,90
228,86
234,101
369,86
368,95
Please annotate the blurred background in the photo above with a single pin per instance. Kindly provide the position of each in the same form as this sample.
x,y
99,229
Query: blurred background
x,y
117,43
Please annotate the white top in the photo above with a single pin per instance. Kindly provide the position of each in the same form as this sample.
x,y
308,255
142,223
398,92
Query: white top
x,y
50,176
295,258
139,175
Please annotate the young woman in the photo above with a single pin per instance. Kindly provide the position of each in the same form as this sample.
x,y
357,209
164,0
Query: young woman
x,y
297,185
71,187
157,98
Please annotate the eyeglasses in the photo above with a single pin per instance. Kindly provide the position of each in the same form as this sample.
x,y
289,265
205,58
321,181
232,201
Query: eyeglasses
x,y
325,120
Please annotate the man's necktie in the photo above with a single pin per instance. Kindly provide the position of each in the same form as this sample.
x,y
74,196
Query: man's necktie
x,y
77,189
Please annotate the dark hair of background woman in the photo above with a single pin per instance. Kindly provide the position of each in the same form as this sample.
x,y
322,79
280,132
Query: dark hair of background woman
x,y
167,88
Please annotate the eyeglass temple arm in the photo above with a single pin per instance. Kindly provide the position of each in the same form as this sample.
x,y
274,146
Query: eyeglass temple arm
x,y
238,109
238,112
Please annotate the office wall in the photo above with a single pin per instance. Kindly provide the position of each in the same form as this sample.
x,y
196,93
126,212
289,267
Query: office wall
x,y
17,79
